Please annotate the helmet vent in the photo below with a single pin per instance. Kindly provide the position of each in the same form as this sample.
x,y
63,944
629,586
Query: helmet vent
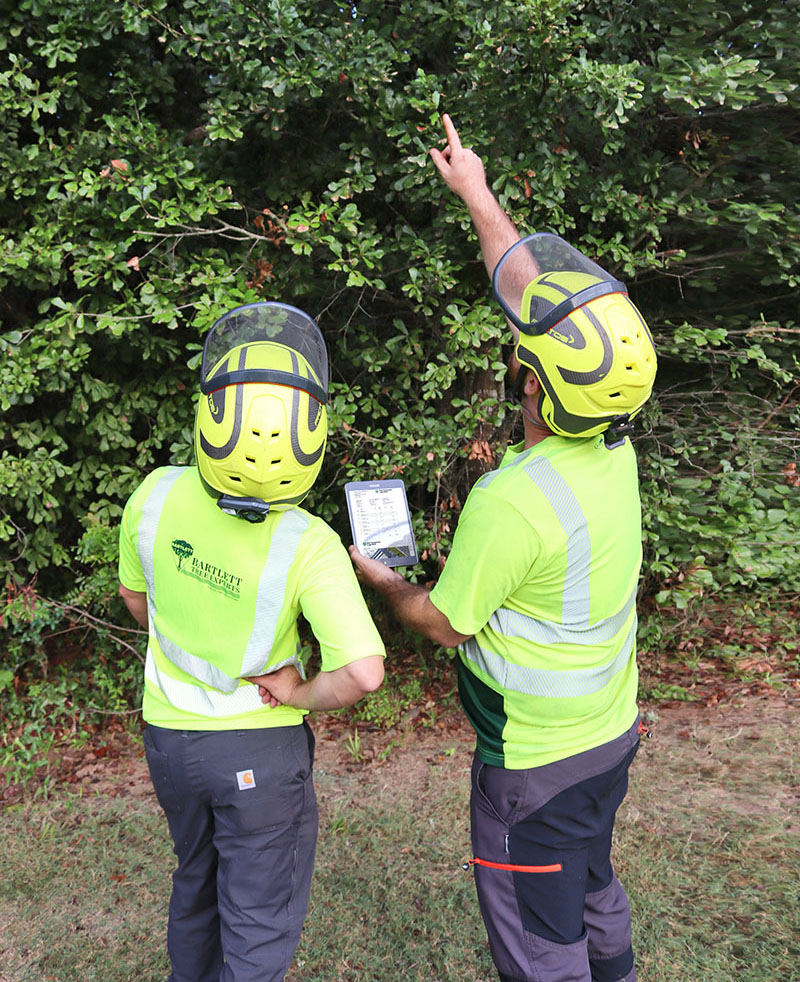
x,y
286,482
256,432
614,395
250,460
233,477
274,462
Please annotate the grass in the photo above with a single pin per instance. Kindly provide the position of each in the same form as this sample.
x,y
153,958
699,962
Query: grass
x,y
395,840
712,868
82,887
707,847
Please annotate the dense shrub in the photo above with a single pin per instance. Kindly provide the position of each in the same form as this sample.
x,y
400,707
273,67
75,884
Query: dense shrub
x,y
163,162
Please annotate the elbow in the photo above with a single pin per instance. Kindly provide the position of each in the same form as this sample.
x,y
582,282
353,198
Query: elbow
x,y
367,673
451,639
437,627
447,637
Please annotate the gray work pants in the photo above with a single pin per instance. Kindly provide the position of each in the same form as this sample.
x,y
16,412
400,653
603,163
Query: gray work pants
x,y
243,816
553,908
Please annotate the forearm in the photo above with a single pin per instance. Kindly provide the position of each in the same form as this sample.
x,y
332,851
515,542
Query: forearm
x,y
496,232
407,601
411,605
332,690
327,690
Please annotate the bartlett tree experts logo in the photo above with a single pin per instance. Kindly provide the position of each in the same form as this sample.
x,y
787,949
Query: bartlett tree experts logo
x,y
213,576
183,550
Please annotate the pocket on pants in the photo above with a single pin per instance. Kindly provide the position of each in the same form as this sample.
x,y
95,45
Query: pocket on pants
x,y
161,776
480,792
262,787
498,791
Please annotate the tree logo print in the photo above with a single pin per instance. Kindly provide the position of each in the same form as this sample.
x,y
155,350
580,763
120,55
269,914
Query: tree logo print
x,y
182,550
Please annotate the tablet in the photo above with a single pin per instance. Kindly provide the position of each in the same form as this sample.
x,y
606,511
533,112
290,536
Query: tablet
x,y
380,521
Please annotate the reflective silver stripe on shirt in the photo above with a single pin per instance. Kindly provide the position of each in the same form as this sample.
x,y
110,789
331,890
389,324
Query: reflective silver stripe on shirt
x,y
553,684
269,599
513,624
272,590
489,476
148,524
194,699
560,497
145,546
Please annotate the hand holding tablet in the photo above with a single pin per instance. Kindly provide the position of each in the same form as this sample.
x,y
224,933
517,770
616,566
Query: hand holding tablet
x,y
380,521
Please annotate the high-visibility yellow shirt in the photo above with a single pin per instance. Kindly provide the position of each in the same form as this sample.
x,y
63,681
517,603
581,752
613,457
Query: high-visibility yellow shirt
x,y
223,599
543,574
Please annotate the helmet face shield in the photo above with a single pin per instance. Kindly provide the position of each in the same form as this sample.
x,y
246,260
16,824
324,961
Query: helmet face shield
x,y
580,334
255,323
541,279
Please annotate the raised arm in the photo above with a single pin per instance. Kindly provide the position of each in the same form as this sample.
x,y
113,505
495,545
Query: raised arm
x,y
463,172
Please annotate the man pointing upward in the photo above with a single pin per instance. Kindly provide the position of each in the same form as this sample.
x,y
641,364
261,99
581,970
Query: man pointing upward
x,y
538,594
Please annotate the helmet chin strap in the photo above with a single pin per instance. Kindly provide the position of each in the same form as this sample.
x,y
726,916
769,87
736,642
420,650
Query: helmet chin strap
x,y
518,394
532,419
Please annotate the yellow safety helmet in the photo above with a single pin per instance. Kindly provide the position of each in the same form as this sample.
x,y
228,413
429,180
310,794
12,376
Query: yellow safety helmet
x,y
580,334
261,422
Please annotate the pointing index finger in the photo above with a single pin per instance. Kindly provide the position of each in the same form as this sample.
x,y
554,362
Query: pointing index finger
x,y
452,134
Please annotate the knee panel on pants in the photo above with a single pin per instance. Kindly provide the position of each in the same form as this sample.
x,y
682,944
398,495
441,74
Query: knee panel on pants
x,y
616,969
608,920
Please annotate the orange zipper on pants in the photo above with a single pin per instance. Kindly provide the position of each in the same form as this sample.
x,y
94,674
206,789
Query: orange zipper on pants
x,y
555,868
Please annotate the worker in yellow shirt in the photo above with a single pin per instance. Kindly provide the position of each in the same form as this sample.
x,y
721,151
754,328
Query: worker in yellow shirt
x,y
539,596
217,561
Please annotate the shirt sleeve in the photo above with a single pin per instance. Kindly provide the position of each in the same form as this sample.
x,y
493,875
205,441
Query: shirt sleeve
x,y
130,569
332,603
494,550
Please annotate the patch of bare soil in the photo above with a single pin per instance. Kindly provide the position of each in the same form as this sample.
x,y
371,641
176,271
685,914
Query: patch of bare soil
x,y
111,762
741,756
741,753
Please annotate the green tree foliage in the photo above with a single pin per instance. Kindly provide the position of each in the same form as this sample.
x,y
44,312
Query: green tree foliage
x,y
162,162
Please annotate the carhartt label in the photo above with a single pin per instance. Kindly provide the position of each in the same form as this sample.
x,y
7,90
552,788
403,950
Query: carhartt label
x,y
246,780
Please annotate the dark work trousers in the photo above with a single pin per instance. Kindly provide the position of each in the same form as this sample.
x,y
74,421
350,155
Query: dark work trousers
x,y
243,816
560,914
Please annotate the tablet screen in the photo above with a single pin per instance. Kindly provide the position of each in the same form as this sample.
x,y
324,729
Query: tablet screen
x,y
380,521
